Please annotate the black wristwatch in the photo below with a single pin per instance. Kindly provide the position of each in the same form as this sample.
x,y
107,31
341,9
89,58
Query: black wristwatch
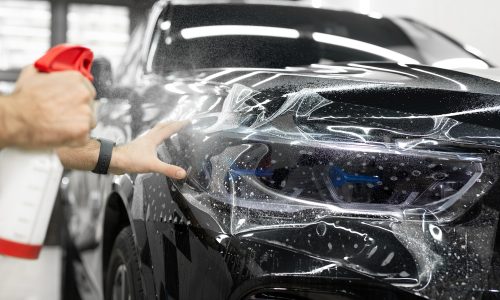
x,y
104,159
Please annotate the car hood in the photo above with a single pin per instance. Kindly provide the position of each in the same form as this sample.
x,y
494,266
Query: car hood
x,y
353,76
379,90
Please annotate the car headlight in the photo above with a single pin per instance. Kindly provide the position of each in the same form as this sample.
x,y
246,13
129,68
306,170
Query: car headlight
x,y
260,163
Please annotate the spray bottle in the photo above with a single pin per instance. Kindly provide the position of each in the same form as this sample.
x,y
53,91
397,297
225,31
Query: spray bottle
x,y
29,179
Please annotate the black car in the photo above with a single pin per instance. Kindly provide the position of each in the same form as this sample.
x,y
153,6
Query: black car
x,y
327,159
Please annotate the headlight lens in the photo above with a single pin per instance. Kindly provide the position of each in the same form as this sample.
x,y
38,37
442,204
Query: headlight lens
x,y
261,163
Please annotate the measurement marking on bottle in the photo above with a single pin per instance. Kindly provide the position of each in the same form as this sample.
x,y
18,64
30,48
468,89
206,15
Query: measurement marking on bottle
x,y
40,169
19,236
23,220
35,187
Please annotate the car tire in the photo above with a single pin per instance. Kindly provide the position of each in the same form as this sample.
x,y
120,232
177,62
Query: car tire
x,y
123,279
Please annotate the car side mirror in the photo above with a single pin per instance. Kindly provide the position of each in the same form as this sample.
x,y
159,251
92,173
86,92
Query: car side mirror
x,y
103,77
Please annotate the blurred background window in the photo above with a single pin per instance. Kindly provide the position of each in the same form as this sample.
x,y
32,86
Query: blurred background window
x,y
24,32
103,28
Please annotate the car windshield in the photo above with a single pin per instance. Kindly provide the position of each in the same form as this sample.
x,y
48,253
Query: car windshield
x,y
272,36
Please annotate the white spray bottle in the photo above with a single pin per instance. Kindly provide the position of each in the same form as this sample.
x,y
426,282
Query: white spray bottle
x,y
29,180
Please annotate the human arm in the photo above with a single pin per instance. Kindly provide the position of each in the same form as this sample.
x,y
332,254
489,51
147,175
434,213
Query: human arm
x,y
138,156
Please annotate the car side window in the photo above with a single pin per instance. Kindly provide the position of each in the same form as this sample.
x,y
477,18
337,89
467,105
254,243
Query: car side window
x,y
160,42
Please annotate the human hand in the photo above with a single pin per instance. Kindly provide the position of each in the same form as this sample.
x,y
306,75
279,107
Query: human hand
x,y
49,110
140,156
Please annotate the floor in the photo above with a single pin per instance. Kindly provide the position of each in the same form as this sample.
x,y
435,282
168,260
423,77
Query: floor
x,y
31,280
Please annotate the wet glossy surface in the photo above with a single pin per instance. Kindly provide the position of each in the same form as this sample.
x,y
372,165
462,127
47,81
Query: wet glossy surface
x,y
348,180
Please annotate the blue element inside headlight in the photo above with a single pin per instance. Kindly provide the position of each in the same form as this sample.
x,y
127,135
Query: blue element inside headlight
x,y
339,178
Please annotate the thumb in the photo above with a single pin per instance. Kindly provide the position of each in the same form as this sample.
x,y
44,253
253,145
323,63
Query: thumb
x,y
168,170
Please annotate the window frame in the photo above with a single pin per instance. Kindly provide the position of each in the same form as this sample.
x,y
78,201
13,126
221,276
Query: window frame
x,y
59,25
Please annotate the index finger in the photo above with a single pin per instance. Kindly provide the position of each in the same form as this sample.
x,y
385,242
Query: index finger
x,y
164,130
90,87
75,78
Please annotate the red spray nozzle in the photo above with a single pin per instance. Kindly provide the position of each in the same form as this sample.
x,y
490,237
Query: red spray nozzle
x,y
66,57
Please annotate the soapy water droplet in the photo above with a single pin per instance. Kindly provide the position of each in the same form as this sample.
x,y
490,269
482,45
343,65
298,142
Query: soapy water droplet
x,y
439,176
404,274
321,229
436,232
330,246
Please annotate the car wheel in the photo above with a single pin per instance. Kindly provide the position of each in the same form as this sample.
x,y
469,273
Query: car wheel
x,y
123,280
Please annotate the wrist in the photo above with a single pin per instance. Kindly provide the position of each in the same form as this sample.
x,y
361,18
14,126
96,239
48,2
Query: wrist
x,y
117,164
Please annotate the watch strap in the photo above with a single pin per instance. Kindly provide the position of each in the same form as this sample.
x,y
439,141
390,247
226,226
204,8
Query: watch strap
x,y
104,159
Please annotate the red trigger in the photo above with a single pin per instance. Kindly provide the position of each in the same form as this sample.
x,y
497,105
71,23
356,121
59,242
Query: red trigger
x,y
67,57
